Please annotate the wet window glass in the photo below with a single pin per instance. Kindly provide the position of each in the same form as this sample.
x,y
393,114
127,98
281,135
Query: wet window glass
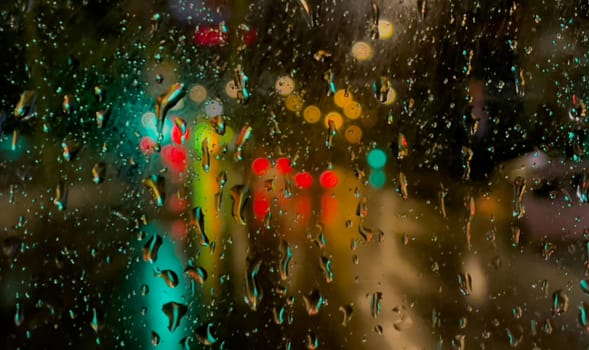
x,y
294,174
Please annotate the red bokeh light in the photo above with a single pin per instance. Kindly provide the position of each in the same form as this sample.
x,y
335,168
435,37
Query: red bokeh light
x,y
179,230
303,180
210,37
175,157
329,209
248,36
147,145
177,204
260,166
329,179
261,206
304,206
177,136
283,166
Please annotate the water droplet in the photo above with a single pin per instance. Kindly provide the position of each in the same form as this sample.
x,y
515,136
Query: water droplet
x,y
308,12
584,286
155,338
69,148
368,234
206,157
362,208
331,133
244,135
584,315
325,264
25,108
278,315
96,322
347,312
320,240
239,195
459,341
99,92
463,322
582,188
519,188
517,312
167,101
560,302
185,343
240,81
442,193
102,117
169,276
467,155
548,248
175,312
66,105
19,316
547,327
403,184
198,274
253,293
376,304
205,334
465,284
514,339
151,248
285,257
373,26
515,235
144,289
321,56
222,179
98,172
197,221
422,8
11,193
312,339
313,302
218,123
61,196
401,318
156,187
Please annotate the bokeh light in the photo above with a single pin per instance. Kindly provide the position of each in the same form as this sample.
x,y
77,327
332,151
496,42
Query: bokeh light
x,y
377,158
329,179
260,166
304,180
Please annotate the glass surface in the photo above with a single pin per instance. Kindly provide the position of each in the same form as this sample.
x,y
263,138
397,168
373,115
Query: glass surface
x,y
287,174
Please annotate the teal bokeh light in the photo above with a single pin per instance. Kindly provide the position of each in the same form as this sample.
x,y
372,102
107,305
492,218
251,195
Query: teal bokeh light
x,y
377,179
377,159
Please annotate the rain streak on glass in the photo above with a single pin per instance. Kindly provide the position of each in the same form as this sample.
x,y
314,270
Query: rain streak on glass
x,y
408,174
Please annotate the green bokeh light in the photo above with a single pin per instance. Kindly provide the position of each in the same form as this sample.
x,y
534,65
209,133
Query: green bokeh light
x,y
377,159
377,179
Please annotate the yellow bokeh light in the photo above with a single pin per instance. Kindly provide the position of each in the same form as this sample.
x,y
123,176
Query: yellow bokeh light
x,y
284,85
294,103
353,134
231,89
385,29
337,118
312,114
198,93
362,51
353,110
343,98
